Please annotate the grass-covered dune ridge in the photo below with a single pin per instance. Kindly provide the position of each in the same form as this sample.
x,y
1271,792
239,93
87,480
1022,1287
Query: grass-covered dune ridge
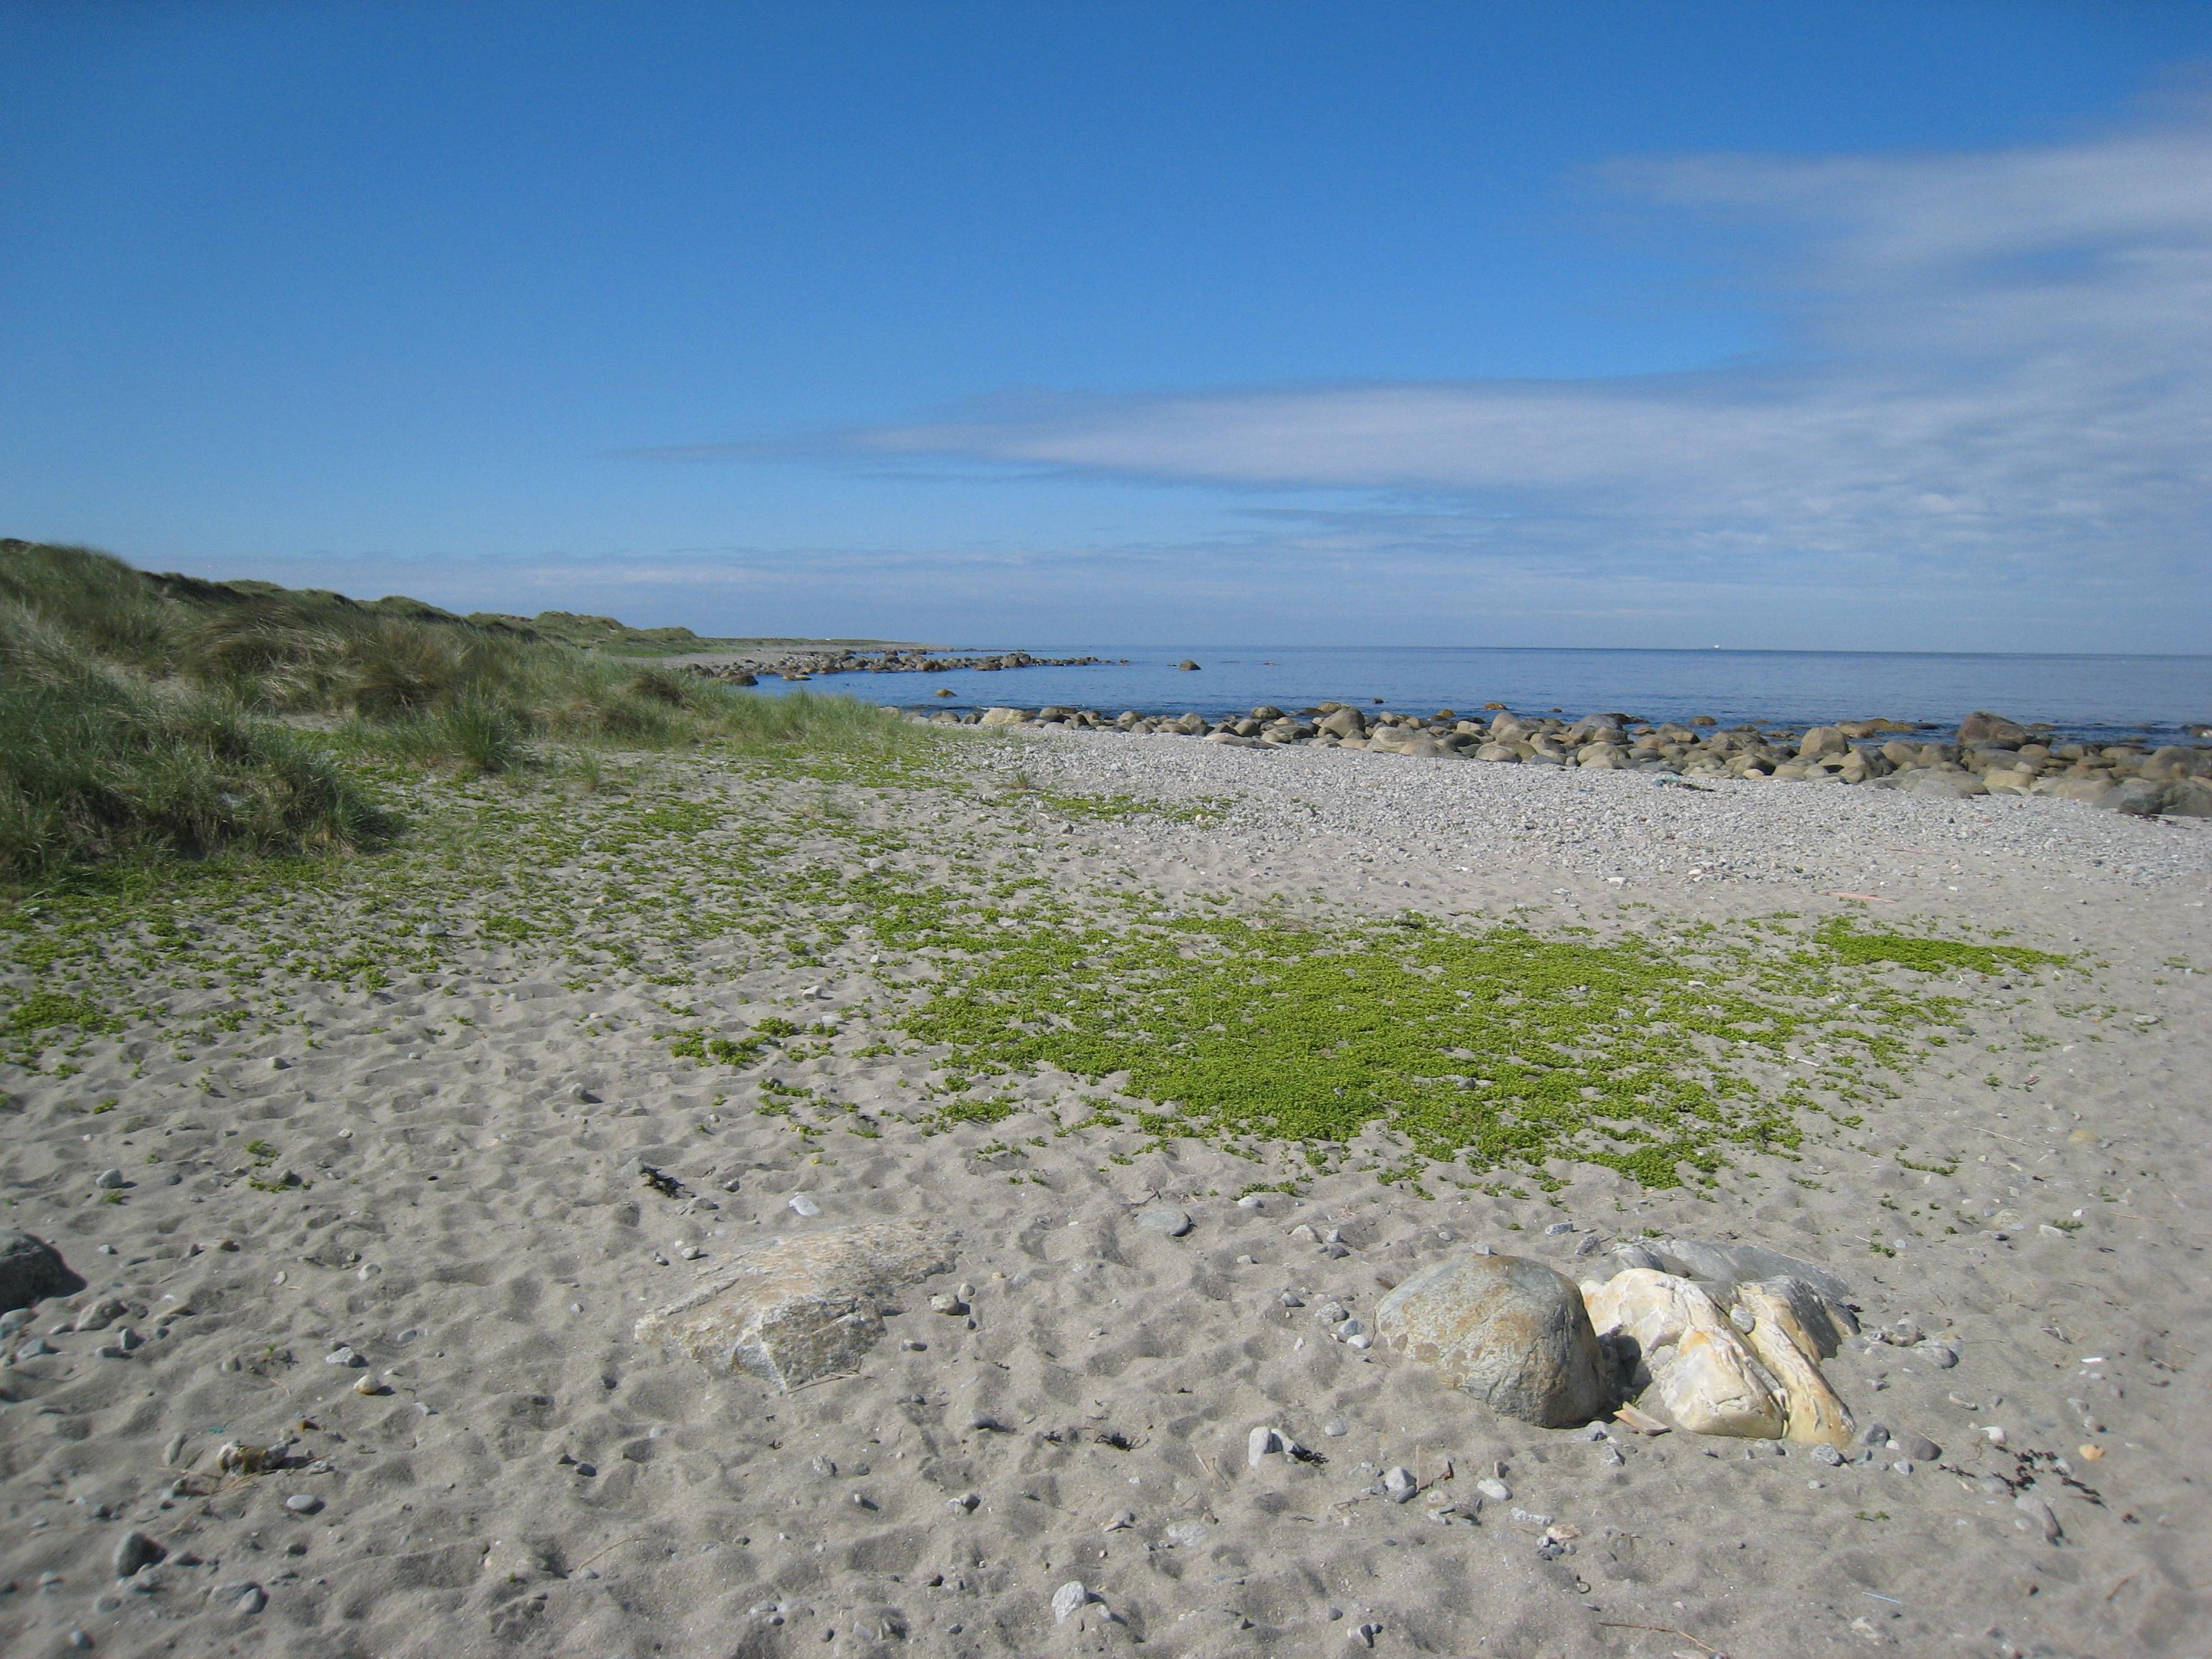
x,y
145,715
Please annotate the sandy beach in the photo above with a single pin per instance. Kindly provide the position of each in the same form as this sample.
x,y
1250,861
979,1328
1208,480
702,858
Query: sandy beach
x,y
379,1165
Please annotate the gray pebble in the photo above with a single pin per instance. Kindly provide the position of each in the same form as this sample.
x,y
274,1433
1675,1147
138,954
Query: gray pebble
x,y
1067,1601
1164,1220
108,1180
303,1502
135,1550
802,1205
1399,1485
1336,1428
1494,1489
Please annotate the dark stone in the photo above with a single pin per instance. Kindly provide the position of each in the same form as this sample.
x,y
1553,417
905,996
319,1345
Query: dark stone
x,y
30,1268
135,1550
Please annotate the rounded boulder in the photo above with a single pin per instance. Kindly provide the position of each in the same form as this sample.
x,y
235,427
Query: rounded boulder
x,y
1511,1332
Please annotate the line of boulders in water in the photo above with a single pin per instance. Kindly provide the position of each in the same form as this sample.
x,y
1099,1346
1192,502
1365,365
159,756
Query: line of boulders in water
x,y
1988,754
810,665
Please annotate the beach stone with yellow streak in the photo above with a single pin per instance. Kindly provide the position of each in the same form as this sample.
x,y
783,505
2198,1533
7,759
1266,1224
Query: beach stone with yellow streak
x,y
1509,1331
803,1308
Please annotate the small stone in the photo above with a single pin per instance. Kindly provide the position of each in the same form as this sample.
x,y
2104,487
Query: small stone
x,y
1399,1485
369,1388
2039,1515
1904,1333
1185,1533
965,1502
1559,1227
1067,1601
244,1599
78,1638
135,1550
1828,1455
1120,1521
1260,1445
1494,1489
1291,1299
1336,1428
1918,1447
30,1269
944,1302
1365,1635
108,1180
1252,1201
302,1503
1164,1221
343,1355
800,1204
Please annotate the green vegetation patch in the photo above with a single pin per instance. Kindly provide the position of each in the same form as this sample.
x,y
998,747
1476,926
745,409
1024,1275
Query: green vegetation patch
x,y
44,1010
1930,956
1490,1047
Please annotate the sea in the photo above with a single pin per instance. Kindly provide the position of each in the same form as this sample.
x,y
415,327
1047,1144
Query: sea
x,y
2106,698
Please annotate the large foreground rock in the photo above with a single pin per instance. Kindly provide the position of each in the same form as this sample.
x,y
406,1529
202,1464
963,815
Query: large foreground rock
x,y
1509,1331
30,1269
800,1309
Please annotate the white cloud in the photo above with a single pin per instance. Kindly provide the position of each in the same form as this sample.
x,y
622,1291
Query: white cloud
x,y
2000,366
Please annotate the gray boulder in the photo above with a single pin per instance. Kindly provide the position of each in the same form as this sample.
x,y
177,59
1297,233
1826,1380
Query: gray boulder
x,y
1983,726
1821,741
31,1269
798,1310
2142,797
2189,798
1949,785
1511,1332
1729,1265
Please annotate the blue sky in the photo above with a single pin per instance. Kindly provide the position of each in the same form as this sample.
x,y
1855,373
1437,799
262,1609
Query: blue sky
x,y
1818,326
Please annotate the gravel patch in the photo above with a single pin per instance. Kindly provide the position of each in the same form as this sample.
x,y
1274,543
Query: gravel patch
x,y
1622,828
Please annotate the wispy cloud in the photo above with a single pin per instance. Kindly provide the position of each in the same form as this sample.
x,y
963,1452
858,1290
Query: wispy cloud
x,y
1999,367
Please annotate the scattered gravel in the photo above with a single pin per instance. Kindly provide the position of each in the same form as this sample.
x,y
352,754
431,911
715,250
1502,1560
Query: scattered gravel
x,y
1458,814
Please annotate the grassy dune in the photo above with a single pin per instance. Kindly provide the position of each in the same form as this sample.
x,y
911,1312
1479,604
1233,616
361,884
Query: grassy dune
x,y
161,716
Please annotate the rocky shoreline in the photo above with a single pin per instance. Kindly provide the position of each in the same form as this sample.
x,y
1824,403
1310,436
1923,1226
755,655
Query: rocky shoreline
x,y
904,660
1987,754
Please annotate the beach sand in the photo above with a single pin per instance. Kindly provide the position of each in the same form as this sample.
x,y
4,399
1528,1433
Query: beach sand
x,y
436,1163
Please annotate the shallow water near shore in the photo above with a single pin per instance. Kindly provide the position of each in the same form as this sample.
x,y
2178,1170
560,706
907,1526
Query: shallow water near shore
x,y
2085,696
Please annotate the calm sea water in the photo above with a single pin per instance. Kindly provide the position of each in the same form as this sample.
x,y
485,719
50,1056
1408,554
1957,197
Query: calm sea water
x,y
2083,696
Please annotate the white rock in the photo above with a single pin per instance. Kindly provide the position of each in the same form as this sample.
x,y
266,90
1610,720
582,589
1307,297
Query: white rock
x,y
1494,1489
1260,1445
799,1309
1399,1485
800,1204
1068,1599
